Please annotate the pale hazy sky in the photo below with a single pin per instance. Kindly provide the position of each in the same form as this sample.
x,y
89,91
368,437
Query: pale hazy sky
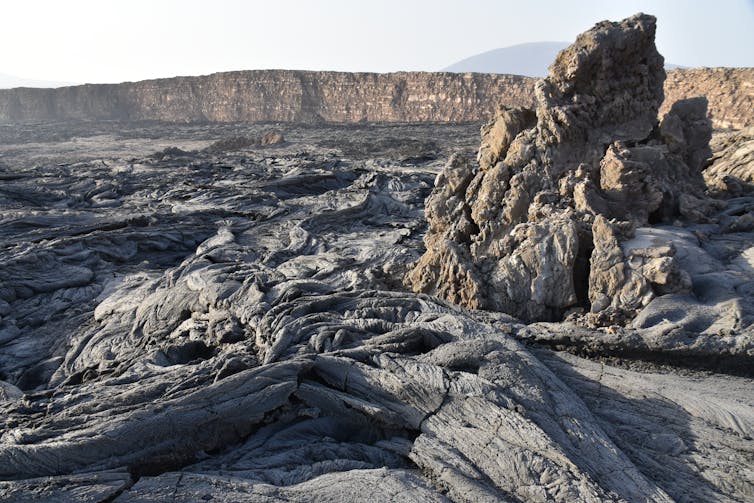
x,y
112,41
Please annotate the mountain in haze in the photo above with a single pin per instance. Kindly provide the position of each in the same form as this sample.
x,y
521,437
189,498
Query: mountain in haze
x,y
10,81
531,60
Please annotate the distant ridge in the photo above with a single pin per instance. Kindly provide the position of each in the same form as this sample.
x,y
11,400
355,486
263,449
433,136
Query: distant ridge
x,y
341,97
11,81
530,60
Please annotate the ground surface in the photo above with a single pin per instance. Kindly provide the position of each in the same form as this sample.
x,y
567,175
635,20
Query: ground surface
x,y
231,325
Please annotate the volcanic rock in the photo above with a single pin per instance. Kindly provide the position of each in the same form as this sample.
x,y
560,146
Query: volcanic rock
x,y
303,96
529,232
236,143
228,326
731,169
272,137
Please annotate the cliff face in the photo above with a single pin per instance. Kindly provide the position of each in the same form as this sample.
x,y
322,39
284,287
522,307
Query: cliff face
x,y
277,95
729,92
300,96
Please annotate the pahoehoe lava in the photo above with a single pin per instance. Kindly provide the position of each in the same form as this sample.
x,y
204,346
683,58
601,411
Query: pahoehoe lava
x,y
225,312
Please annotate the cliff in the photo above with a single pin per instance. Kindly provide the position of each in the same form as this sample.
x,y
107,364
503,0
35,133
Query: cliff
x,y
277,95
729,92
303,96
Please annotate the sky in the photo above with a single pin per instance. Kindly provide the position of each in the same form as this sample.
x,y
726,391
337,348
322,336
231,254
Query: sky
x,y
87,41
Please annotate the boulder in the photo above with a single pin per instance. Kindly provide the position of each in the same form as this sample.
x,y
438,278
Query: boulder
x,y
272,137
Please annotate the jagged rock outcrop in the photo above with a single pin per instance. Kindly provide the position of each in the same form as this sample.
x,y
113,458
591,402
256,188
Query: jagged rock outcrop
x,y
279,96
270,137
535,232
299,96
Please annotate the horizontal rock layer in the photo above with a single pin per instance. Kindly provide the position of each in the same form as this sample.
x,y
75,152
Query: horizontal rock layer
x,y
303,96
277,95
729,92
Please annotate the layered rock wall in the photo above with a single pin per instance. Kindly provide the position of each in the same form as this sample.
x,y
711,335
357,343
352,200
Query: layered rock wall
x,y
729,92
301,96
278,95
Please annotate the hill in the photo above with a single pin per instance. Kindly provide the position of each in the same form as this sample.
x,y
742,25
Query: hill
x,y
531,60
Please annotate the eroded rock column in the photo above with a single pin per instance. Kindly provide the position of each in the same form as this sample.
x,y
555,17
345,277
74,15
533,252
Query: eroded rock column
x,y
532,230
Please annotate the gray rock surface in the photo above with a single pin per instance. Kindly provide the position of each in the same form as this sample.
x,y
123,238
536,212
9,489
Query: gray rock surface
x,y
313,97
231,326
731,169
192,324
535,231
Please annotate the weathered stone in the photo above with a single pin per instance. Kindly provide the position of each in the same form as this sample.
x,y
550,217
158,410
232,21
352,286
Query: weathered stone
x,y
272,137
539,205
728,106
498,135
612,282
278,96
239,337
535,280
731,170
605,87
628,187
687,132
295,96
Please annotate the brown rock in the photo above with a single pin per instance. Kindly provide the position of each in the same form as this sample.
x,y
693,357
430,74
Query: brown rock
x,y
686,131
277,96
450,223
630,191
299,96
272,137
535,280
730,101
498,135
605,87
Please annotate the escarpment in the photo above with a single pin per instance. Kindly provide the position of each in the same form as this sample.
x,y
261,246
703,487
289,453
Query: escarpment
x,y
540,228
279,96
729,92
312,97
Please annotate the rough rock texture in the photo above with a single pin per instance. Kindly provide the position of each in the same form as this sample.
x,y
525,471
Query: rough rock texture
x,y
270,137
228,326
184,323
297,96
534,232
279,96
729,91
731,169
